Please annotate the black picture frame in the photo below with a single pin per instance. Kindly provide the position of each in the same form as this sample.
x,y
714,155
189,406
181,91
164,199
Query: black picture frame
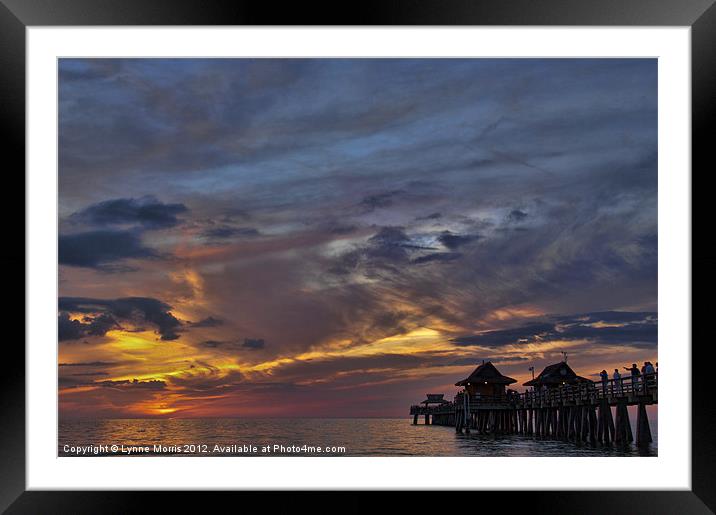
x,y
16,15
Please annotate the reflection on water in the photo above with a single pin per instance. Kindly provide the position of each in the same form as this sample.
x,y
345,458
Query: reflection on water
x,y
360,437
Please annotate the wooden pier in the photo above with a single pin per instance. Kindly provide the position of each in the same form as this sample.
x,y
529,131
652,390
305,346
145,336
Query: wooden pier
x,y
579,411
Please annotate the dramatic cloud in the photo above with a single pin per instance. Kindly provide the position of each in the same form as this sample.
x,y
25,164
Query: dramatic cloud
x,y
432,216
104,314
146,212
438,256
213,344
453,241
516,215
390,243
603,327
251,343
247,344
380,200
134,384
207,322
68,329
229,232
101,249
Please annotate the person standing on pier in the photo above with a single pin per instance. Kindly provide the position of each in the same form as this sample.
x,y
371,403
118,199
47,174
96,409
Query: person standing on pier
x,y
649,374
634,377
617,387
605,377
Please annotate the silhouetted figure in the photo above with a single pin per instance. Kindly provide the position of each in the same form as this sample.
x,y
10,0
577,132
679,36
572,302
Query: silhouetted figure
x,y
605,377
649,372
634,376
617,381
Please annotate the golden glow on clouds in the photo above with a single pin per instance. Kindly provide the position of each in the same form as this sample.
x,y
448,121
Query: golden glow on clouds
x,y
191,278
414,342
600,324
181,364
143,357
512,313
132,343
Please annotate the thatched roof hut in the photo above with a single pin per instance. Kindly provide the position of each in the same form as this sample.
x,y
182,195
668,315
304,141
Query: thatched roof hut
x,y
486,374
556,375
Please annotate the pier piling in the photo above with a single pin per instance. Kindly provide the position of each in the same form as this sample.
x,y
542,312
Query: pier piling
x,y
643,432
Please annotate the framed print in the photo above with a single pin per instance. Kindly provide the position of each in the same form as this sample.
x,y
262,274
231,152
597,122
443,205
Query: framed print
x,y
427,247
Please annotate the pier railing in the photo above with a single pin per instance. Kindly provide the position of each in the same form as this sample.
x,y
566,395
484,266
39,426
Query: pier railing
x,y
626,388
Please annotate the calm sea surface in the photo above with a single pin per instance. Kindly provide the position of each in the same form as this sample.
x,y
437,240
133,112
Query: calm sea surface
x,y
359,437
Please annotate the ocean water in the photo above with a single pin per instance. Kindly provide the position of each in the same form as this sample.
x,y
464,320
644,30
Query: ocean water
x,y
304,437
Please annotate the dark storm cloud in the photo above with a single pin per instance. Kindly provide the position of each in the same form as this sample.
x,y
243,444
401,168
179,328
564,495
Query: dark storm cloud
x,y
225,232
147,212
390,236
438,256
254,343
99,325
207,322
342,229
643,333
68,329
132,309
391,245
70,382
102,249
627,328
73,381
248,343
454,241
615,317
153,384
432,216
516,215
380,200
213,344
506,336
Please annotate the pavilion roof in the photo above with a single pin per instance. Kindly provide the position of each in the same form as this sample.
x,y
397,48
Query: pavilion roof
x,y
486,373
557,373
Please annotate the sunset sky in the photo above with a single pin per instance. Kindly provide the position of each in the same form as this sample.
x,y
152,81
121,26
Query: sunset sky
x,y
338,237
